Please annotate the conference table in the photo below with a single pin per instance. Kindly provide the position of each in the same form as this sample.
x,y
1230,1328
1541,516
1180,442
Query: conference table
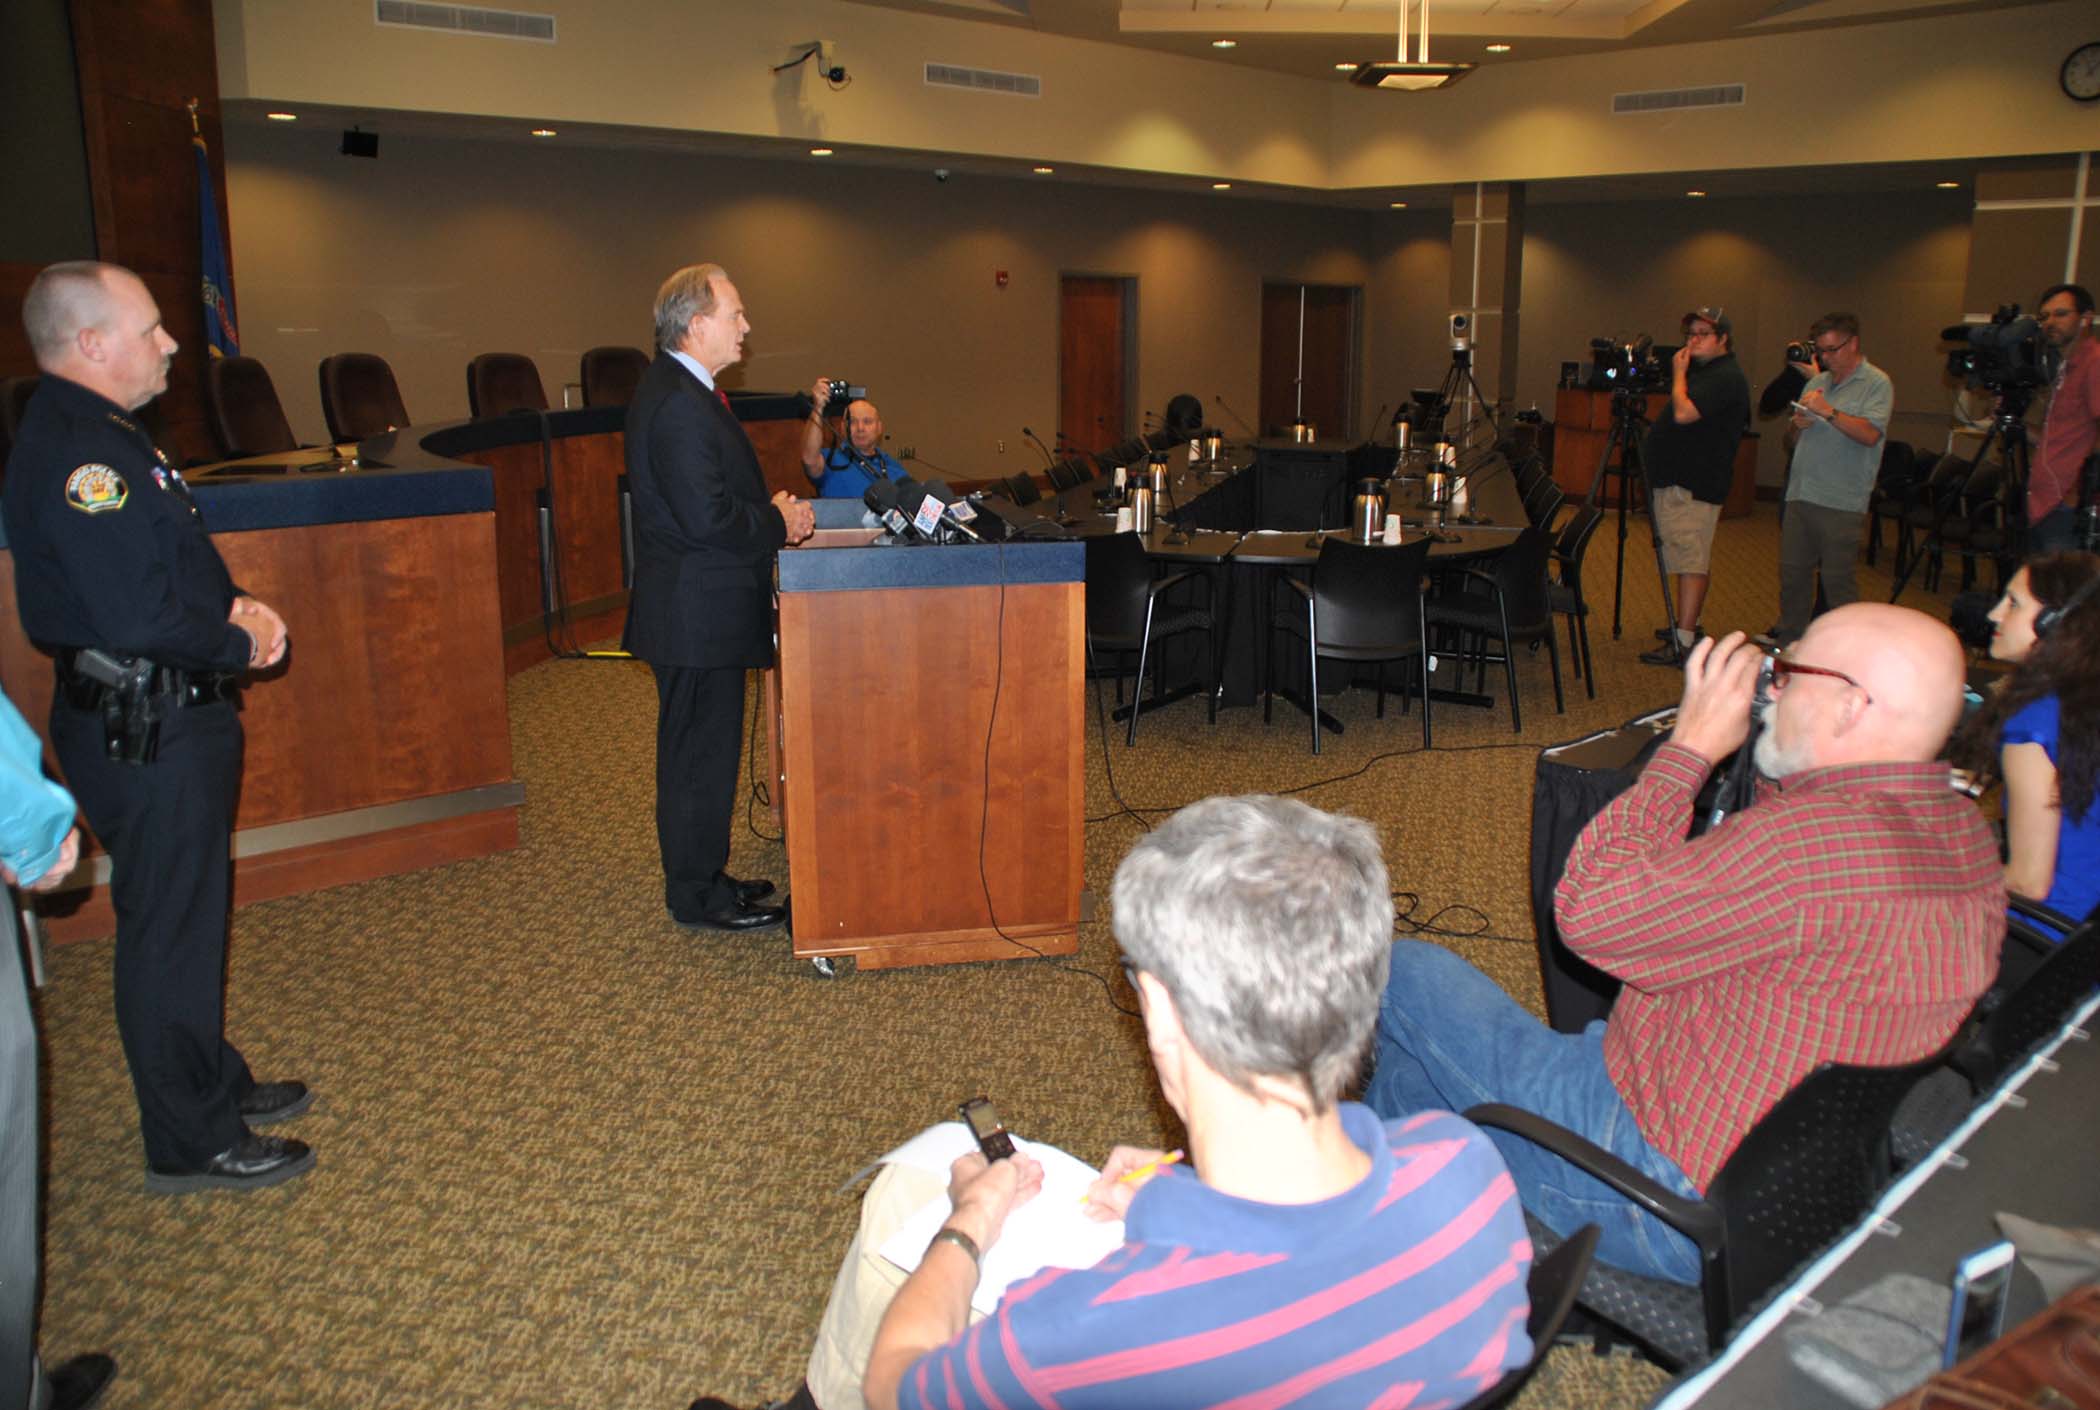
x,y
1244,561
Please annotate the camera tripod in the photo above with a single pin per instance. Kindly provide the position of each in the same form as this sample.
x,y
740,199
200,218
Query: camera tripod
x,y
1460,382
1629,418
2009,430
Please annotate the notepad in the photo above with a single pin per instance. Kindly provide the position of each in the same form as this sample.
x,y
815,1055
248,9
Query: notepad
x,y
1052,1230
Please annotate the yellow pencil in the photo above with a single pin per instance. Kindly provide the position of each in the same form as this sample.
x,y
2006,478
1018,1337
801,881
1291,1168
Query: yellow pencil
x,y
1149,1168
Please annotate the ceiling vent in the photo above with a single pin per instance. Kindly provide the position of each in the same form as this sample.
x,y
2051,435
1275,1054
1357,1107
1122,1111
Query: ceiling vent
x,y
1017,85
465,19
1670,100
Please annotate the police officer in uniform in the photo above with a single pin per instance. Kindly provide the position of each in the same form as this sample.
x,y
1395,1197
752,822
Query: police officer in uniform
x,y
118,580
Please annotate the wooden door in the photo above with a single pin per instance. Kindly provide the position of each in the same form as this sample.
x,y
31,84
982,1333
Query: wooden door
x,y
1094,326
1308,358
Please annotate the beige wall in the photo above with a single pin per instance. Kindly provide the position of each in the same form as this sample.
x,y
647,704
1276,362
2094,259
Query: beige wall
x,y
1975,84
1899,262
444,249
705,65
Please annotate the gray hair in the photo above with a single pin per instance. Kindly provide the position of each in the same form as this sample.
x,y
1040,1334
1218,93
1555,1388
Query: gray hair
x,y
688,293
62,300
1271,925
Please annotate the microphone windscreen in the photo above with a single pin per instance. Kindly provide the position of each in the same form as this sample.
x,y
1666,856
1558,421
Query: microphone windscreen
x,y
939,490
880,495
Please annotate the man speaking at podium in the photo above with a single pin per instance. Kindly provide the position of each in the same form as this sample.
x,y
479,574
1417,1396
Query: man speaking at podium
x,y
701,613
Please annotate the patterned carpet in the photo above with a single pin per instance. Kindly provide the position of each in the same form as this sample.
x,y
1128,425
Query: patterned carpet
x,y
571,1155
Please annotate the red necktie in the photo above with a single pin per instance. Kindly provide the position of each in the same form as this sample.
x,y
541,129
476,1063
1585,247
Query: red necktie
x,y
724,397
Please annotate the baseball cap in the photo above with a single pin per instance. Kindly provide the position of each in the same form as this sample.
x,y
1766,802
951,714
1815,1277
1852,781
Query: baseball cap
x,y
1715,315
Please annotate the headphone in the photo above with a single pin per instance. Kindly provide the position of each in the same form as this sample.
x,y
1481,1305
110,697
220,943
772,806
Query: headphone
x,y
2046,620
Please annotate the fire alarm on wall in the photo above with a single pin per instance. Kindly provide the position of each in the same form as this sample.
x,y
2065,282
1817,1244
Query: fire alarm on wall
x,y
999,277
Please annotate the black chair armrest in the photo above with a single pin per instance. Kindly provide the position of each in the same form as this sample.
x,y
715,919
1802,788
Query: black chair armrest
x,y
1695,1219
1160,585
1297,585
2020,925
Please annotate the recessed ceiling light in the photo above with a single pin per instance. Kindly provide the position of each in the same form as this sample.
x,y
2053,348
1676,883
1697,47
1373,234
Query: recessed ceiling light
x,y
1044,170
1498,48
1345,68
1224,44
282,117
543,132
1695,193
820,151
1221,185
1948,185
1398,206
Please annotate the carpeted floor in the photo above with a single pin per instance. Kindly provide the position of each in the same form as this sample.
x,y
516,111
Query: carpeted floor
x,y
571,1155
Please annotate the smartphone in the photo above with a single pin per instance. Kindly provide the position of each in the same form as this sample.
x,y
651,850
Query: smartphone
x,y
982,1118
1977,1316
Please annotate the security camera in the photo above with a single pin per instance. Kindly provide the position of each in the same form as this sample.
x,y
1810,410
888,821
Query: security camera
x,y
1461,325
940,173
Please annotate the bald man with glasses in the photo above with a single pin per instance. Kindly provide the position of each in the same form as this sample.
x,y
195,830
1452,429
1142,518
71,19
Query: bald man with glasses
x,y
1842,420
1852,913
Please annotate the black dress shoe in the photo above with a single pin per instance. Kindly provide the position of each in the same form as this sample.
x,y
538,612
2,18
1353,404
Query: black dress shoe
x,y
79,1383
756,888
275,1101
253,1162
736,916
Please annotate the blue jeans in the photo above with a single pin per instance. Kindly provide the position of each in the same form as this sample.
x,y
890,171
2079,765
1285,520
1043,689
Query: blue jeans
x,y
1450,1038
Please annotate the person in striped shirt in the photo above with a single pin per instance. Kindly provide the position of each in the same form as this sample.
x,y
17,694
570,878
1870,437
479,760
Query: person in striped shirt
x,y
1307,1253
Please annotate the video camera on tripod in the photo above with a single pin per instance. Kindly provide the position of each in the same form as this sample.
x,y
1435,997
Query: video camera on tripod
x,y
2002,355
1632,365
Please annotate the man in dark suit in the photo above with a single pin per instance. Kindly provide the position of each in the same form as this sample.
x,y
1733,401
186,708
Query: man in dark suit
x,y
702,609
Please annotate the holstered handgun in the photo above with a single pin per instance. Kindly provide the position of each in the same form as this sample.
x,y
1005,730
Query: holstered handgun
x,y
131,712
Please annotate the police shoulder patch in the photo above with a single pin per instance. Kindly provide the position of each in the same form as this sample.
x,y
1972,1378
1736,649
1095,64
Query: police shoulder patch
x,y
94,488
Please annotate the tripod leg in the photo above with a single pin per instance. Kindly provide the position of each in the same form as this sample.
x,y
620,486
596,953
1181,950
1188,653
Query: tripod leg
x,y
1639,470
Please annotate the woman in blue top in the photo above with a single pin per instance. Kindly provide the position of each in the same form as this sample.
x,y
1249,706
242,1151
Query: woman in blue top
x,y
2043,721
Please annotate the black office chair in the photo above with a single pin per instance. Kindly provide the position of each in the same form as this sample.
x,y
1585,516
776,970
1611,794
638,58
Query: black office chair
x,y
2042,977
359,396
1125,617
503,382
1528,471
246,416
1543,503
1364,603
611,373
1800,1178
1063,475
1021,489
1892,490
1556,1279
1564,589
1507,599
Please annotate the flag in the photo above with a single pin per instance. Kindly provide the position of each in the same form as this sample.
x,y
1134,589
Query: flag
x,y
220,329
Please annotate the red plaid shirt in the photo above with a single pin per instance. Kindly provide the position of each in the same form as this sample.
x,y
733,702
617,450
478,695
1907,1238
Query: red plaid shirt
x,y
1853,915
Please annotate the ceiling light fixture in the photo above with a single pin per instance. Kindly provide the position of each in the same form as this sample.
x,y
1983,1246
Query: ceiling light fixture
x,y
543,132
1221,185
282,117
1498,48
1044,170
1695,193
1224,44
820,151
1345,68
1397,206
1410,77
1948,185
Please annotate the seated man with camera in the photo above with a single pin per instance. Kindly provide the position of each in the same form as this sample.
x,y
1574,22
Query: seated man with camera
x,y
1842,417
1852,913
1690,459
1307,1252
2070,429
846,470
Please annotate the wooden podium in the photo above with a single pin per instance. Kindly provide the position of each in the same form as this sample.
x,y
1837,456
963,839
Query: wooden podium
x,y
930,748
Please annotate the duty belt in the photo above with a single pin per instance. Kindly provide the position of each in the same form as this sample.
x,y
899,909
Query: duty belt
x,y
179,688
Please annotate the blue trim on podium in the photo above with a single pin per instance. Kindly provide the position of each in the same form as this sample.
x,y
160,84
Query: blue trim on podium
x,y
930,566
284,502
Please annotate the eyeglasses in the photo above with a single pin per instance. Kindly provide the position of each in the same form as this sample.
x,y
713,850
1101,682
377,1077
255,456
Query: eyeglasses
x,y
1839,346
1130,970
1783,667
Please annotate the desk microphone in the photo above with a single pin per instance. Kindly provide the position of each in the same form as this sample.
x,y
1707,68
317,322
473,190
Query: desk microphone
x,y
1048,459
929,507
1251,433
1372,433
1468,480
881,499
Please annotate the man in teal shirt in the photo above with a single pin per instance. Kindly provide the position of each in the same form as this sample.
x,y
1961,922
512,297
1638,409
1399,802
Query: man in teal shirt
x,y
1843,418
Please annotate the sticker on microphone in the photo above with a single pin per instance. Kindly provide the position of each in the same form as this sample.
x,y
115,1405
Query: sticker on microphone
x,y
929,516
963,511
